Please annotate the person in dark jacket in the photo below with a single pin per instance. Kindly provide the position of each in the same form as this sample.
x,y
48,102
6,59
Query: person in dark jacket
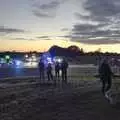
x,y
57,70
64,67
41,69
105,73
49,72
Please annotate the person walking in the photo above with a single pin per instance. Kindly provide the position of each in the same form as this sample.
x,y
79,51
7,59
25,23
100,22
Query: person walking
x,y
64,67
105,73
57,70
41,69
49,72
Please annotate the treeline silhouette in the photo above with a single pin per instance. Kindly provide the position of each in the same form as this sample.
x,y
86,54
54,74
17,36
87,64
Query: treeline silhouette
x,y
73,53
76,51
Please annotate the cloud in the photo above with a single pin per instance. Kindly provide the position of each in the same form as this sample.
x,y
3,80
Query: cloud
x,y
89,30
93,31
100,41
47,39
96,40
32,39
42,14
103,8
92,18
48,6
64,29
44,38
84,27
65,36
10,30
102,20
94,36
46,10
29,39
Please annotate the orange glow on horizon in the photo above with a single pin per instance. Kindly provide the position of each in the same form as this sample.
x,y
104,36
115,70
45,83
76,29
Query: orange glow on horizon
x,y
44,45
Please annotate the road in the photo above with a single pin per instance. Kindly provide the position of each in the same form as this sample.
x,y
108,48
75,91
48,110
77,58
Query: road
x,y
20,72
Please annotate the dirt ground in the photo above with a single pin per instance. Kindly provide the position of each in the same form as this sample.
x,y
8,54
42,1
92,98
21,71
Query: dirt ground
x,y
63,101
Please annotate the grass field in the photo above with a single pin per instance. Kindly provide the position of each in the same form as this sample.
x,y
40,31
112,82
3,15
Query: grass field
x,y
78,99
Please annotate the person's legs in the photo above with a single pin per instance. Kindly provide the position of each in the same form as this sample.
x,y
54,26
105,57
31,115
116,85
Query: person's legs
x,y
62,75
43,75
51,76
58,74
65,75
103,86
48,76
40,75
55,73
109,84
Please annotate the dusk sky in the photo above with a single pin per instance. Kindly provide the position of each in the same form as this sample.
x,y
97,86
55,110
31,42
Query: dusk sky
x,y
27,25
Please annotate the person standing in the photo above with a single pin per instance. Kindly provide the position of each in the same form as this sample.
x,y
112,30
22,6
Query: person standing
x,y
41,69
105,73
49,72
64,67
57,70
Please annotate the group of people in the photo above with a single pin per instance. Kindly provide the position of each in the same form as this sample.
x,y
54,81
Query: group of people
x,y
63,66
105,73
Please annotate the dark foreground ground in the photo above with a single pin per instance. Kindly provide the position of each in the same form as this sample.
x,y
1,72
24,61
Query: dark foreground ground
x,y
33,101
